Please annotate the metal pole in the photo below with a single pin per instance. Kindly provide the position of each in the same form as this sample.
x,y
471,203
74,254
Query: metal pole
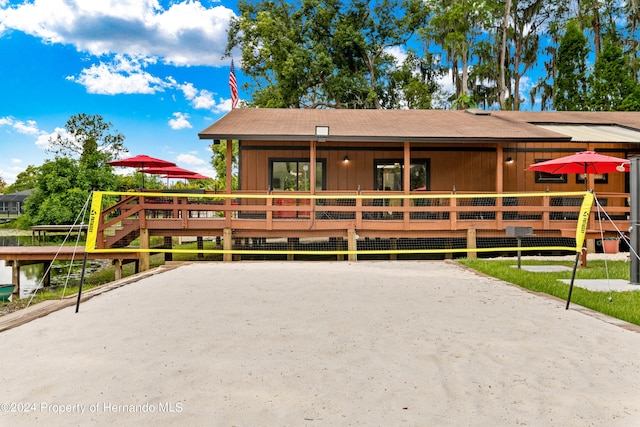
x,y
84,268
573,278
634,223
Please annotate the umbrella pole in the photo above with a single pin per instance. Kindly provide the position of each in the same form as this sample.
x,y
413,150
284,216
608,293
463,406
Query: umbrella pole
x,y
573,277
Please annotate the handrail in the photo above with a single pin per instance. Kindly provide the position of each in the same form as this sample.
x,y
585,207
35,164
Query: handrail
x,y
376,211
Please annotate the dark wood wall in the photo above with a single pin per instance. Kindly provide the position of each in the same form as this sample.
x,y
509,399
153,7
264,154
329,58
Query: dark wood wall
x,y
467,167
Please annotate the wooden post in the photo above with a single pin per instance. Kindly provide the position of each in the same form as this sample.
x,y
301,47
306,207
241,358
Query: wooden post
x,y
394,246
339,245
46,280
145,257
499,168
472,243
352,244
227,244
15,276
291,245
117,263
312,169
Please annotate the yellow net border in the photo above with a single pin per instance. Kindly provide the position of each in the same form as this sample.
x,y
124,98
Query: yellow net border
x,y
580,234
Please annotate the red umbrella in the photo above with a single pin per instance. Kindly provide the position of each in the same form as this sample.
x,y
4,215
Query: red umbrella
x,y
586,162
188,176
141,161
168,170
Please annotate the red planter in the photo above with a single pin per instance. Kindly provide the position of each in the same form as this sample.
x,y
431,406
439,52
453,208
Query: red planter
x,y
610,246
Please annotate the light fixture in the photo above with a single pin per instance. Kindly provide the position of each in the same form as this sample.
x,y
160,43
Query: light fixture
x,y
322,132
620,168
509,160
346,159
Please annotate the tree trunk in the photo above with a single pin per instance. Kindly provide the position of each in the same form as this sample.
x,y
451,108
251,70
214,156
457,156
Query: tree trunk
x,y
503,53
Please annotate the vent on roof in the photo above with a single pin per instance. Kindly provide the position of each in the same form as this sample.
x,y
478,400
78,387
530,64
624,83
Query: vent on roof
x,y
478,112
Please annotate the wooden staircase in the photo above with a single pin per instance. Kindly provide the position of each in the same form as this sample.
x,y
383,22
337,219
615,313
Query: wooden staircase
x,y
125,234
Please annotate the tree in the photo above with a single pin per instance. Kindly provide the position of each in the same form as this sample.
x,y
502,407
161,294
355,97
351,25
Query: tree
x,y
414,83
26,180
322,54
3,186
63,185
458,26
611,80
544,86
570,87
88,137
528,16
502,84
60,193
219,162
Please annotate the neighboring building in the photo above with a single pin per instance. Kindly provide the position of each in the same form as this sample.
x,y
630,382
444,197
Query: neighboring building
x,y
470,151
11,204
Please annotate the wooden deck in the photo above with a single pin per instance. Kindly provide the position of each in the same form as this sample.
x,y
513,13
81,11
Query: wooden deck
x,y
16,256
373,215
40,231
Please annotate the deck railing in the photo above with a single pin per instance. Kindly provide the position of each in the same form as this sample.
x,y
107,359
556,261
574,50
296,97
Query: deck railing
x,y
333,214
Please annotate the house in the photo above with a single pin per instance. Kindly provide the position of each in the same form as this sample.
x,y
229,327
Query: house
x,y
464,151
363,181
11,204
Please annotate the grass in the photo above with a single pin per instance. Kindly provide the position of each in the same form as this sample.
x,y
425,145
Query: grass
x,y
624,305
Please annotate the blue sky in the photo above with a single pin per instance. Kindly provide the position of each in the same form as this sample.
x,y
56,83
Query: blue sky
x,y
152,68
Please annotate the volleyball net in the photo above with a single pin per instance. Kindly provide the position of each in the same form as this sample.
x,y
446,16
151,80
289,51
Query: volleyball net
x,y
263,226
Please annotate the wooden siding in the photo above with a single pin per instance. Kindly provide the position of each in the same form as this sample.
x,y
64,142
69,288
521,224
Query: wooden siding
x,y
465,167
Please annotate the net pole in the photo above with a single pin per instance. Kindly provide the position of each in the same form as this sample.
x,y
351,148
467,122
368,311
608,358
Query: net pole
x,y
84,269
573,277
581,231
634,216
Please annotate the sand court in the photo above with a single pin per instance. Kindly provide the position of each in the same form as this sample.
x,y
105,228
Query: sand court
x,y
321,344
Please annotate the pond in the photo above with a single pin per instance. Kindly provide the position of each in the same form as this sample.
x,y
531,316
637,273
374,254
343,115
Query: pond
x,y
31,275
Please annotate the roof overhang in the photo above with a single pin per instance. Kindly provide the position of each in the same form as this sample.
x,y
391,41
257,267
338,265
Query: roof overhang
x,y
589,132
415,126
376,139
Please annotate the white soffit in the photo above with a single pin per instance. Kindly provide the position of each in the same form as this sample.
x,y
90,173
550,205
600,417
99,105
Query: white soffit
x,y
595,133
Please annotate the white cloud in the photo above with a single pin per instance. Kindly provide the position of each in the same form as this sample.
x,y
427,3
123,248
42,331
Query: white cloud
x,y
186,33
16,161
190,159
10,173
43,138
181,121
398,52
30,127
124,75
203,99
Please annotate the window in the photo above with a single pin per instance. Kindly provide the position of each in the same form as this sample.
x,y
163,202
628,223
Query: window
x,y
544,177
294,174
389,175
599,178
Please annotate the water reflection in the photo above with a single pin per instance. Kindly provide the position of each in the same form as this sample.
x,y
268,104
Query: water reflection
x,y
31,275
15,240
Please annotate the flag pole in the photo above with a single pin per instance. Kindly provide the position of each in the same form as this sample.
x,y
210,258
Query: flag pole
x,y
233,86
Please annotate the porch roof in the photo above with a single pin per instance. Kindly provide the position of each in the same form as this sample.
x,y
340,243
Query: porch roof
x,y
451,126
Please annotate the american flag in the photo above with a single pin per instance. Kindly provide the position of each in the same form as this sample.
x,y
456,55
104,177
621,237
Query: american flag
x,y
233,85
